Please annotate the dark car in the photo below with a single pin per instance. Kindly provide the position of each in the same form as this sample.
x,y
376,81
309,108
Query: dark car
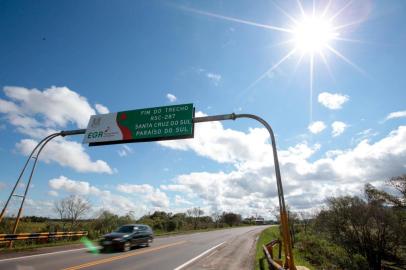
x,y
128,236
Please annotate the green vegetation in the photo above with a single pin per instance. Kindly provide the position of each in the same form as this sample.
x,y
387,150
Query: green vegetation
x,y
163,223
351,232
267,236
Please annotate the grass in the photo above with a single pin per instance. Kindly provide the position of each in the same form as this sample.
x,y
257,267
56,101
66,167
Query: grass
x,y
265,237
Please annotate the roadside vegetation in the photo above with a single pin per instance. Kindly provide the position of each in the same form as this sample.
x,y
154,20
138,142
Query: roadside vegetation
x,y
72,209
267,236
351,232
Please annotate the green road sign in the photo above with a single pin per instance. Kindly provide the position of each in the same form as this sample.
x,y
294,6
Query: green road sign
x,y
150,124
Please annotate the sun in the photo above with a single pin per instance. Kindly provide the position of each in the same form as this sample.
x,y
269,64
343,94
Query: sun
x,y
313,34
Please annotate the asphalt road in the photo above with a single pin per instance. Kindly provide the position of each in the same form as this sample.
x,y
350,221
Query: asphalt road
x,y
221,249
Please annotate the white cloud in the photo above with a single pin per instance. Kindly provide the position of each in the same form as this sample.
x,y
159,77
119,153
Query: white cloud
x,y
171,97
332,101
158,199
333,153
316,127
125,151
2,186
7,106
398,114
155,196
36,208
223,145
100,199
101,109
214,78
176,188
74,186
364,135
58,105
53,193
130,188
121,205
338,128
122,152
179,200
40,113
250,187
65,153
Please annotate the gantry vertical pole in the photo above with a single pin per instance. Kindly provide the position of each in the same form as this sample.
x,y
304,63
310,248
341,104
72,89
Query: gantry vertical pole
x,y
289,260
3,212
40,146
29,181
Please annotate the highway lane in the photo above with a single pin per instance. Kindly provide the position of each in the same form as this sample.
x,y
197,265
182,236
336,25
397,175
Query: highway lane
x,y
167,253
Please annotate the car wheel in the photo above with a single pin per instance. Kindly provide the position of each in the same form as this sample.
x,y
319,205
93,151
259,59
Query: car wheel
x,y
126,246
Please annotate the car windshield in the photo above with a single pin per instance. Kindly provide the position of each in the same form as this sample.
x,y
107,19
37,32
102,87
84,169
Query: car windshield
x,y
126,229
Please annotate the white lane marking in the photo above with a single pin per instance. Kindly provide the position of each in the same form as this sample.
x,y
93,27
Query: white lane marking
x,y
38,255
197,257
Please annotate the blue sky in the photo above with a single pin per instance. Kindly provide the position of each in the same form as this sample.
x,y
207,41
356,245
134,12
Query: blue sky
x,y
62,62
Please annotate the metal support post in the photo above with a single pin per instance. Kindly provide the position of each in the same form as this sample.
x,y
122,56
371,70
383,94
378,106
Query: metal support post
x,y
38,148
289,260
29,181
21,174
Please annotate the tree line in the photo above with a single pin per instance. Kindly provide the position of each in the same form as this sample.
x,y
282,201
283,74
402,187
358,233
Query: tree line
x,y
356,232
72,210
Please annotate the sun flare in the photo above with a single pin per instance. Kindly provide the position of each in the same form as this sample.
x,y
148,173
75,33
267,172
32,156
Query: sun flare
x,y
313,34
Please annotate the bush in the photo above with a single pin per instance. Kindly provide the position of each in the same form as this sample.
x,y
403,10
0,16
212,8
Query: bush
x,y
326,255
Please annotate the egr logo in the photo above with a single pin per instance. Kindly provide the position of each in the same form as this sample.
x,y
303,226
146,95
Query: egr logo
x,y
95,135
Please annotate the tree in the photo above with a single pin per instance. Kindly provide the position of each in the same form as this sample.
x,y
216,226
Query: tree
x,y
361,227
216,218
231,218
60,208
72,209
305,219
397,200
105,222
195,213
399,183
292,219
180,220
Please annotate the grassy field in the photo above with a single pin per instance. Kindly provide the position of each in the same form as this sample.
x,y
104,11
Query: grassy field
x,y
270,234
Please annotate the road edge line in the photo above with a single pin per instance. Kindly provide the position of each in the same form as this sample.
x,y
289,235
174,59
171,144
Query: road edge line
x,y
197,257
38,255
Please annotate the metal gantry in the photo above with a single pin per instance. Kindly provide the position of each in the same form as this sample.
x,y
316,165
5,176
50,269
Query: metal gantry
x,y
287,245
34,155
